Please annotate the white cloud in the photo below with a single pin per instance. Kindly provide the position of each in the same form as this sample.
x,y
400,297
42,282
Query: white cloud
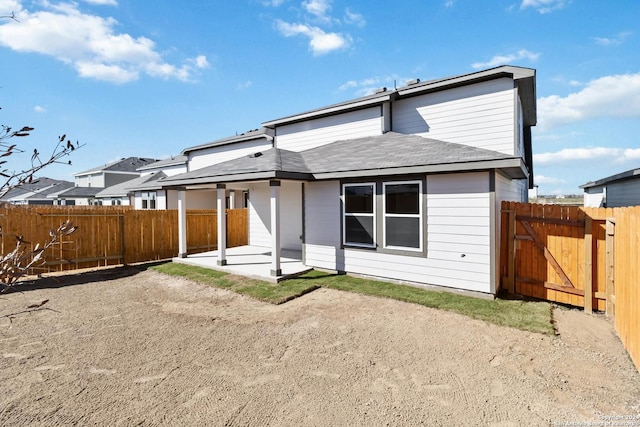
x,y
9,6
39,109
90,44
613,41
273,3
318,8
320,42
449,3
610,96
102,2
497,60
618,155
544,6
354,18
244,85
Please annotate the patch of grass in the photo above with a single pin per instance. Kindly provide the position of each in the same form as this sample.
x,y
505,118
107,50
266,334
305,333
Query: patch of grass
x,y
258,289
525,315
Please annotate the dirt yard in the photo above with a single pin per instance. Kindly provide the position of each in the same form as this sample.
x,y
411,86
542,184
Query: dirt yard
x,y
132,347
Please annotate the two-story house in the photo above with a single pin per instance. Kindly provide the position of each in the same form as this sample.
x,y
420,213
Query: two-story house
x,y
90,182
403,184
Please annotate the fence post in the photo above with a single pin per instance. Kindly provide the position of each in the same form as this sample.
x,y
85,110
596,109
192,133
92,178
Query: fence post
x,y
122,237
588,264
511,252
610,278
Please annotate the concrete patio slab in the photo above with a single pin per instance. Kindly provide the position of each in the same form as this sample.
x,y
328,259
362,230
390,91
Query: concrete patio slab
x,y
250,261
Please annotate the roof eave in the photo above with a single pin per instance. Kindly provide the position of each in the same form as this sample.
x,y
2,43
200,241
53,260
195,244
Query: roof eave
x,y
512,167
227,141
250,176
332,109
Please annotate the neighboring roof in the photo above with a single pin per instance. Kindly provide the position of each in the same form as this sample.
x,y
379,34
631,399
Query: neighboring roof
x,y
124,188
38,184
388,154
171,161
524,77
80,192
246,136
630,174
51,190
128,165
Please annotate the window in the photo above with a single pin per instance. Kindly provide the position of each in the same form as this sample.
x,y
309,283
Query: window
x,y
402,225
148,200
359,215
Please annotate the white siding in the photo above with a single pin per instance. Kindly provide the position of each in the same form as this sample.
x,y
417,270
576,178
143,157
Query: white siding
x,y
514,190
625,193
161,200
92,180
214,155
520,127
290,215
458,223
594,197
480,115
314,133
322,225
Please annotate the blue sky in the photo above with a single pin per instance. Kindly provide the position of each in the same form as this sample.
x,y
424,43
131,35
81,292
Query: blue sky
x,y
150,78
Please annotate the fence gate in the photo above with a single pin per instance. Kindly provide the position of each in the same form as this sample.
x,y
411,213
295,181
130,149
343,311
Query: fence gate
x,y
558,253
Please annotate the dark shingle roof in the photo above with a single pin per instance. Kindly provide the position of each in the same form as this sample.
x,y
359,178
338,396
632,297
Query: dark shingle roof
x,y
172,161
80,192
124,188
130,164
632,173
391,153
38,184
392,150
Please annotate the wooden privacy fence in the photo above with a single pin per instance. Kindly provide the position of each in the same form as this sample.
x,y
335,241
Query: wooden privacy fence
x,y
117,235
586,257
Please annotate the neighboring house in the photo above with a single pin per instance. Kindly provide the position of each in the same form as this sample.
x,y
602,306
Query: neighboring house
x,y
404,184
91,182
39,192
123,194
147,192
77,196
622,189
112,173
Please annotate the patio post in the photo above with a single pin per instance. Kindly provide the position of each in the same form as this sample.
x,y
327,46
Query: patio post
x,y
222,225
275,227
182,223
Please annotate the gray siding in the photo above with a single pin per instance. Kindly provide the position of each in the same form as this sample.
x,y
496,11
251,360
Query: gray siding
x,y
624,193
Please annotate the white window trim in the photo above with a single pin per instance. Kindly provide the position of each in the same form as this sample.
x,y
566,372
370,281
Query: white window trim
x,y
418,215
146,197
345,215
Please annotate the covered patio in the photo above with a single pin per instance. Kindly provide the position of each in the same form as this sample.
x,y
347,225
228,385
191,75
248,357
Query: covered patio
x,y
251,261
